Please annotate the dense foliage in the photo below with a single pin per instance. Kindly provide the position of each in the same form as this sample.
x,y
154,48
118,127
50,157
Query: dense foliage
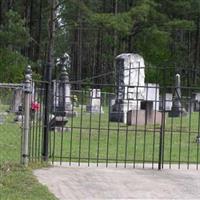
x,y
93,32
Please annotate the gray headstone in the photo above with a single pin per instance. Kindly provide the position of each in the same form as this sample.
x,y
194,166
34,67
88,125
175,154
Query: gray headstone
x,y
62,104
177,108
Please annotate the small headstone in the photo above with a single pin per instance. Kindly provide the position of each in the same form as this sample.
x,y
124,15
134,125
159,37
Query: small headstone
x,y
177,108
94,105
195,101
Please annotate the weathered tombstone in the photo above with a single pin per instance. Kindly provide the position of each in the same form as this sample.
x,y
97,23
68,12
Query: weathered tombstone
x,y
60,118
94,105
177,108
17,100
19,114
62,95
130,76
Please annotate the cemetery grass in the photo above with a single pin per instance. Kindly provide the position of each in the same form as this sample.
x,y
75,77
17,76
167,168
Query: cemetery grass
x,y
16,182
93,138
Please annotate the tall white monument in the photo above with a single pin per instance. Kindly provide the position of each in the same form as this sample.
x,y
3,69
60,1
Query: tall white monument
x,y
130,85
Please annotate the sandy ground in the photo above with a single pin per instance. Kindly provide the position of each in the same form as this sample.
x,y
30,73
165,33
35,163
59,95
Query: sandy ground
x,y
73,182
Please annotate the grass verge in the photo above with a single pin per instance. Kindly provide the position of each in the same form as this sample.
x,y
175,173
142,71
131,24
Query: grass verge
x,y
17,182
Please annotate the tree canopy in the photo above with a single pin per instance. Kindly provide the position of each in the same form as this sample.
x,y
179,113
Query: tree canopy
x,y
93,32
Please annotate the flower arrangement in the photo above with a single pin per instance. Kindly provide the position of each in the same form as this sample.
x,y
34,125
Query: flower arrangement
x,y
35,106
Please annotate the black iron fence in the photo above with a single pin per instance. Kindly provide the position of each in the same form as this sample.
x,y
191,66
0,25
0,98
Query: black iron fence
x,y
146,124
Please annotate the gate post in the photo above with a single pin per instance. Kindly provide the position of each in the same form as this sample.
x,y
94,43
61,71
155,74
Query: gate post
x,y
47,97
27,97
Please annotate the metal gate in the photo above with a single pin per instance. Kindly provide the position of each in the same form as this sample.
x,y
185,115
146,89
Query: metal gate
x,y
79,122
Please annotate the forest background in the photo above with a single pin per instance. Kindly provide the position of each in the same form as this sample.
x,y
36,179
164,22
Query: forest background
x,y
93,32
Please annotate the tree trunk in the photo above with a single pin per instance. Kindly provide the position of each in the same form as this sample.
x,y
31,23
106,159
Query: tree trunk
x,y
197,50
37,52
50,58
31,44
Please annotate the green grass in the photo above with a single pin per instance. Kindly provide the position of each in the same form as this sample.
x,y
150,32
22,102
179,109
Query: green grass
x,y
16,182
94,143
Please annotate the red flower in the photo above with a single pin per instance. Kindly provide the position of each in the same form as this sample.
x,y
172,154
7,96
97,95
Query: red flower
x,y
35,106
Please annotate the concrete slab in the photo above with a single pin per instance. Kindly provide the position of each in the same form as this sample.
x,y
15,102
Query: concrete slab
x,y
119,183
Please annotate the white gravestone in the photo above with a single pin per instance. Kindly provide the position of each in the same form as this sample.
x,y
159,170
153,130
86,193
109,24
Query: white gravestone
x,y
168,101
152,94
130,77
94,105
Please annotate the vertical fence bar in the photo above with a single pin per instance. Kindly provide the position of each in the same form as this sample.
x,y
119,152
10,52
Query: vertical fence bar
x,y
47,93
26,128
160,159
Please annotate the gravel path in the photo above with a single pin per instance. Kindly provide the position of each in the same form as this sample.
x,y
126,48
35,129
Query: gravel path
x,y
119,183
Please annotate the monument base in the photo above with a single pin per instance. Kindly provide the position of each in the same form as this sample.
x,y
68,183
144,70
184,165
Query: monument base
x,y
141,117
62,129
117,116
177,112
119,111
